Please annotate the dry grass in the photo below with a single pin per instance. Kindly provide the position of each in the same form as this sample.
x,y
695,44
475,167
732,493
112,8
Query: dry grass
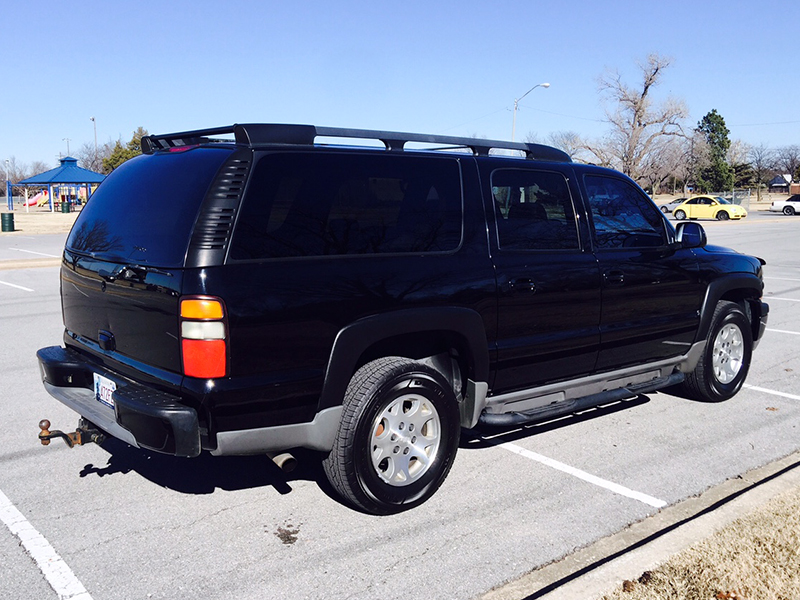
x,y
37,222
754,558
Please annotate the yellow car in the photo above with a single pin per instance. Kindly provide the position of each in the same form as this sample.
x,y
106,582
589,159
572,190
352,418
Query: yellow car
x,y
709,207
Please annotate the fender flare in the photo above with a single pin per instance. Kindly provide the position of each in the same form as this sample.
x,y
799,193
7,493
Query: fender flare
x,y
750,284
354,339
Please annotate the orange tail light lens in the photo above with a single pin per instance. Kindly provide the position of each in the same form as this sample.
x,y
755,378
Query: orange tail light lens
x,y
204,343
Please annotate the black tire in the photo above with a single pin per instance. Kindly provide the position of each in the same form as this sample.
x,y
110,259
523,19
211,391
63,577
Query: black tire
x,y
788,210
398,436
723,215
723,367
680,215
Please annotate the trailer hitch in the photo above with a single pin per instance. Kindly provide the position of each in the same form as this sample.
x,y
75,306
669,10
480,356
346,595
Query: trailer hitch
x,y
85,433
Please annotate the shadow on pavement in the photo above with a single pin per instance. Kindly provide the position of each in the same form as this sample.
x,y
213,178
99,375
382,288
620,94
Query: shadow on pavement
x,y
206,473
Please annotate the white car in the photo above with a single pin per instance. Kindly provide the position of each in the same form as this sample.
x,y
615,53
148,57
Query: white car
x,y
790,206
668,208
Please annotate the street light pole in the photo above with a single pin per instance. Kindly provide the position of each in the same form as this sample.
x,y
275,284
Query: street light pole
x,y
66,140
516,104
94,163
9,195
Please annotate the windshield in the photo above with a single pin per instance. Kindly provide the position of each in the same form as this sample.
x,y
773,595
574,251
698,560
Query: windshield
x,y
144,212
722,200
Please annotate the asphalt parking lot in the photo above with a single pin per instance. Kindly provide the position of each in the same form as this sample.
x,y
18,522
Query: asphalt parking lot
x,y
121,524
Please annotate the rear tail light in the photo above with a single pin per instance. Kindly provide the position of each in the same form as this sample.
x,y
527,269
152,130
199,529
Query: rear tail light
x,y
204,337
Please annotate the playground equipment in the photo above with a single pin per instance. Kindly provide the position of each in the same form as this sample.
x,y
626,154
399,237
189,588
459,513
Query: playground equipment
x,y
39,199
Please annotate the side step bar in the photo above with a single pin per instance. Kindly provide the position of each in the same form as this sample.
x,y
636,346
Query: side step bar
x,y
558,409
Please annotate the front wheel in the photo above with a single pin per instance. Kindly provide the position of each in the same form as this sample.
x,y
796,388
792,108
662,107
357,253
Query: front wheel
x,y
788,210
680,215
397,438
723,367
723,216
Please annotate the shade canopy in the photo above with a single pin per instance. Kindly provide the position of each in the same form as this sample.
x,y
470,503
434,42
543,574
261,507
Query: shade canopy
x,y
68,173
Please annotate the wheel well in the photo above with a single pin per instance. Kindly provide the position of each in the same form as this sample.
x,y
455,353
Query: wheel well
x,y
445,351
749,304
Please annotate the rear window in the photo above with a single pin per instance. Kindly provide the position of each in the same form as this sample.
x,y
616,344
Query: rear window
x,y
325,204
144,212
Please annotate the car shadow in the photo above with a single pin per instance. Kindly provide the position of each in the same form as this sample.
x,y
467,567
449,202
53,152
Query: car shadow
x,y
485,436
205,473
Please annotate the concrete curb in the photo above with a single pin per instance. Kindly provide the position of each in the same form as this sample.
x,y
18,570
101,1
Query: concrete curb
x,y
599,568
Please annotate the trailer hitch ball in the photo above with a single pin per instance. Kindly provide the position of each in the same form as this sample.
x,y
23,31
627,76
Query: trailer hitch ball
x,y
44,434
85,433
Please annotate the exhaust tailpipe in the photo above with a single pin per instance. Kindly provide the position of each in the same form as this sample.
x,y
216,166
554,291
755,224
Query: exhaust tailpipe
x,y
284,461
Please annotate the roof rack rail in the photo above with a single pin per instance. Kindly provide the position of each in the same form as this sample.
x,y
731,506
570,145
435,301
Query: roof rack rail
x,y
257,134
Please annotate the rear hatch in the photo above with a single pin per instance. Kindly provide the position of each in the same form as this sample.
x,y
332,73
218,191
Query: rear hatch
x,y
123,263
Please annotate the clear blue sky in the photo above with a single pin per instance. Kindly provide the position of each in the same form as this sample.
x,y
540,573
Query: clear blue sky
x,y
435,67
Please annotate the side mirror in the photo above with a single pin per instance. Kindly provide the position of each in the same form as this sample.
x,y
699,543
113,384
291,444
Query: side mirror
x,y
691,235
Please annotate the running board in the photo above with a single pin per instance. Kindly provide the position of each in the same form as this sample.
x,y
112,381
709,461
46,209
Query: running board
x,y
558,409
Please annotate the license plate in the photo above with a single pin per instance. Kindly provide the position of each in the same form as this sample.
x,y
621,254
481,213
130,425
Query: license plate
x,y
104,389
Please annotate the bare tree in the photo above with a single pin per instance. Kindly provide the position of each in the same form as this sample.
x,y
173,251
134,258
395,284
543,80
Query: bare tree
x,y
568,141
637,124
761,160
667,156
738,153
89,159
787,159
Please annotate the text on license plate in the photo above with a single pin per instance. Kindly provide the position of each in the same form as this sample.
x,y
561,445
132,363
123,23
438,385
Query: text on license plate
x,y
104,390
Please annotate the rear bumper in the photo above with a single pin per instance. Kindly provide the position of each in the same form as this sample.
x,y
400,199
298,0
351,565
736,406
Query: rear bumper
x,y
142,416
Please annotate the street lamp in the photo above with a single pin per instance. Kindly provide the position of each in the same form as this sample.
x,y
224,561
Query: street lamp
x,y
68,141
94,163
516,104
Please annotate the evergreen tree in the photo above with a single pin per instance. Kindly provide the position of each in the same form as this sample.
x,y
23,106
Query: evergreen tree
x,y
716,175
120,153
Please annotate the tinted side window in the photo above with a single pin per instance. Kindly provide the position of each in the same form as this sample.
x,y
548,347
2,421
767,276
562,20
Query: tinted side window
x,y
623,217
316,204
533,210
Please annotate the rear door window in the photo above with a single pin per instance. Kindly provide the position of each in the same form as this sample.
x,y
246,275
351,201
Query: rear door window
x,y
144,212
533,211
326,204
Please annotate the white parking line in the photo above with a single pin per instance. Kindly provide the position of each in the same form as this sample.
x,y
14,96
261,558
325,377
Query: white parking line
x,y
58,574
783,331
771,392
616,488
787,299
33,252
19,287
781,278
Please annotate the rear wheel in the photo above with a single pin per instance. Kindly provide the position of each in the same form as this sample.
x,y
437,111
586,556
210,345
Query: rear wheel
x,y
723,215
680,215
665,210
723,367
788,210
397,438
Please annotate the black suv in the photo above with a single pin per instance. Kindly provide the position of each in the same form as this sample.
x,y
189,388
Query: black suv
x,y
258,288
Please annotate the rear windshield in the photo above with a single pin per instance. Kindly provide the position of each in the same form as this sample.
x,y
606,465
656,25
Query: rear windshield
x,y
145,210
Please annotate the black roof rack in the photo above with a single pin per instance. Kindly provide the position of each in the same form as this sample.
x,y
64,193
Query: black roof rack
x,y
257,134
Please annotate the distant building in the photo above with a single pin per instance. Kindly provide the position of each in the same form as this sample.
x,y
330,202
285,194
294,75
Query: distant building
x,y
780,183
